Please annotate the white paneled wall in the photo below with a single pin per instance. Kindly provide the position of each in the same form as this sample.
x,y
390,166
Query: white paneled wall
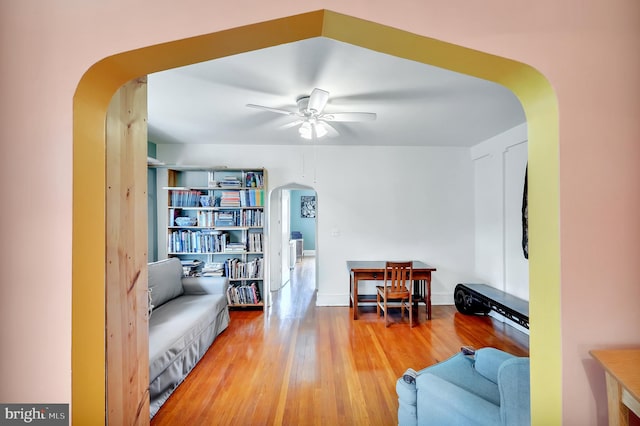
x,y
499,173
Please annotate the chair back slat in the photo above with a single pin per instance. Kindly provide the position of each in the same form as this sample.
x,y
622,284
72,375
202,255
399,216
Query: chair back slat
x,y
398,276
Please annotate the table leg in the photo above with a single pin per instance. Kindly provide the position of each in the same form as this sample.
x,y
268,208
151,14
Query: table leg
x,y
355,296
428,301
417,297
618,412
350,289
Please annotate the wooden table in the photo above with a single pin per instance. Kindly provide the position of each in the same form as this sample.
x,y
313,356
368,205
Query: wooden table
x,y
622,374
374,270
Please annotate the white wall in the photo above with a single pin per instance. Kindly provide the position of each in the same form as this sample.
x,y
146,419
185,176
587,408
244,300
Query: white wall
x,y
499,171
374,203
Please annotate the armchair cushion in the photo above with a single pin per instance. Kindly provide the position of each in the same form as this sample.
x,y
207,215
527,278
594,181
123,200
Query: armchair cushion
x,y
450,404
460,371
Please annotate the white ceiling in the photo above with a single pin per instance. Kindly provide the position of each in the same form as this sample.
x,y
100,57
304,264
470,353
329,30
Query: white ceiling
x,y
416,104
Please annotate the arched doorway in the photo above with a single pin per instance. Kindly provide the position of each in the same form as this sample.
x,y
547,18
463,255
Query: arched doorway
x,y
280,219
105,77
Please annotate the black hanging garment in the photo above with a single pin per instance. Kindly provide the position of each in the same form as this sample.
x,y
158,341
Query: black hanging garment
x,y
525,218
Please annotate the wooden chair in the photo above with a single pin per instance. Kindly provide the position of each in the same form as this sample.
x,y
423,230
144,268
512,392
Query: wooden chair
x,y
398,285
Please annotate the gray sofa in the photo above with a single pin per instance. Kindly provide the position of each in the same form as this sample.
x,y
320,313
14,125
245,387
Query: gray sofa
x,y
186,315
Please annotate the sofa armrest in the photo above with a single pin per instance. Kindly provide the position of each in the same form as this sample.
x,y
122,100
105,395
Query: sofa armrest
x,y
488,362
515,394
205,285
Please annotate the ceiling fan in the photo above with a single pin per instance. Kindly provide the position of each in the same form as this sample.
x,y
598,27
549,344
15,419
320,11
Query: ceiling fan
x,y
313,120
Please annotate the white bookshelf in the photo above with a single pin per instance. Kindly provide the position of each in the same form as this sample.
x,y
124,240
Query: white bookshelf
x,y
226,211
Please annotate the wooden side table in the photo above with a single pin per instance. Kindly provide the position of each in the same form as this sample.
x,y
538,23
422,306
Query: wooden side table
x,y
622,374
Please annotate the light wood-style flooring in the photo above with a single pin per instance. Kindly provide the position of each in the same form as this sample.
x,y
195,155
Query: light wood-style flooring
x,y
300,364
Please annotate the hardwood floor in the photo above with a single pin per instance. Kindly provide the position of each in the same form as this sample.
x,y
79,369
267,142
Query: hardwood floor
x,y
299,364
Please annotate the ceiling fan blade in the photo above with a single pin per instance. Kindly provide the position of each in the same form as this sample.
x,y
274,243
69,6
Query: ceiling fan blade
x,y
276,110
292,124
318,100
331,131
350,116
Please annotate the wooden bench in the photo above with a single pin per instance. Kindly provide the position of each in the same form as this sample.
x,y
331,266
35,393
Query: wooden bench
x,y
480,299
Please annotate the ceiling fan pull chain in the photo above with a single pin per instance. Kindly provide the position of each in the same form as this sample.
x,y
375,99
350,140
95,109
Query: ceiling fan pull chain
x,y
315,161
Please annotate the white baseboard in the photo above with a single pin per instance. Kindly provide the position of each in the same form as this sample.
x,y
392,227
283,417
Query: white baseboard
x,y
507,321
342,299
442,299
332,299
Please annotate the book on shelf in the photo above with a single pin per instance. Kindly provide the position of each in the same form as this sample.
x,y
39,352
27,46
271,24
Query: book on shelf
x,y
184,198
252,198
201,241
204,218
236,269
244,294
254,180
255,241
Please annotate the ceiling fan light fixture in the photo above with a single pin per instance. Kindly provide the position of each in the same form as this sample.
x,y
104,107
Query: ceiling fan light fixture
x,y
321,130
310,128
306,130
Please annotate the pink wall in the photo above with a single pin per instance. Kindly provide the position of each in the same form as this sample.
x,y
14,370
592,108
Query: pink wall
x,y
588,49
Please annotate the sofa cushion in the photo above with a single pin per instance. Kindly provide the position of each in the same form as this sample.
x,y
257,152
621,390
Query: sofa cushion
x,y
176,324
165,281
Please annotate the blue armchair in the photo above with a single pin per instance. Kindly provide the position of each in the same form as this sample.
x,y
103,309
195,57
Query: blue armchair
x,y
490,388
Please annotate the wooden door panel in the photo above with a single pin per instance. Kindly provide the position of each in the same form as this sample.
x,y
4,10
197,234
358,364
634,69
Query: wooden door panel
x,y
127,350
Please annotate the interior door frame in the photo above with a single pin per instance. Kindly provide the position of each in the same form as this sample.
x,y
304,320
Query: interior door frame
x,y
101,81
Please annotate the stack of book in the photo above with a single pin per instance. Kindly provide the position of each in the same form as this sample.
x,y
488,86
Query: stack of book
x,y
230,182
227,218
214,269
191,267
230,199
235,248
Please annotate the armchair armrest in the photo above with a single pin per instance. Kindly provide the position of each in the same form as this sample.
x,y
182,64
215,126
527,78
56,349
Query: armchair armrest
x,y
488,362
407,403
205,285
515,393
